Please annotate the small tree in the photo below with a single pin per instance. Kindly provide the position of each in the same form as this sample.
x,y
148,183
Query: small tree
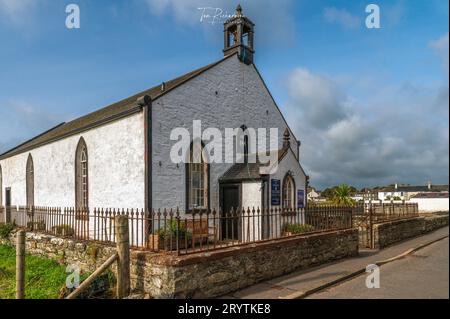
x,y
341,195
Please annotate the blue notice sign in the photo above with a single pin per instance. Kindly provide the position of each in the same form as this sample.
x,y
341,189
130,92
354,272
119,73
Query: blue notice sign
x,y
275,192
300,198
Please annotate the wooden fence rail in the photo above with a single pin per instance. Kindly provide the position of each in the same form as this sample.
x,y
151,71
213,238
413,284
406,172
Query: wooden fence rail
x,y
121,256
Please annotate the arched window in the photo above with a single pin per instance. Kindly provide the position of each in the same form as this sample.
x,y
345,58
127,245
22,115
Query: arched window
x,y
81,175
288,192
197,178
30,181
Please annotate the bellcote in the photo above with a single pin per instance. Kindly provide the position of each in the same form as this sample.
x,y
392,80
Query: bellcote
x,y
238,36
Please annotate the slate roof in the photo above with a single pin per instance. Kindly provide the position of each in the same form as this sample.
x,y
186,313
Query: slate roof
x,y
413,189
248,171
431,195
122,108
242,171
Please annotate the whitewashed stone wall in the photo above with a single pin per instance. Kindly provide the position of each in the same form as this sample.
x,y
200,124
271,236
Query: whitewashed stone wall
x,y
241,99
290,163
251,194
431,204
116,168
251,198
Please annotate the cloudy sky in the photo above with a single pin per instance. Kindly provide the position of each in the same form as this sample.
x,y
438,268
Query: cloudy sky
x,y
371,106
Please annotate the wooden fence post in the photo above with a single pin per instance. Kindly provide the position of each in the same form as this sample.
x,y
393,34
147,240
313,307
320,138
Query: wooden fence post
x,y
32,218
20,264
371,226
123,251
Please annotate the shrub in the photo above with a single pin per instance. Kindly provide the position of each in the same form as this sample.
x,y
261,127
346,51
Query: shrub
x,y
6,229
171,228
298,228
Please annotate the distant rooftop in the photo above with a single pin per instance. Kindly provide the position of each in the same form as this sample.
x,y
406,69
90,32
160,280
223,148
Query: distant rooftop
x,y
431,195
420,188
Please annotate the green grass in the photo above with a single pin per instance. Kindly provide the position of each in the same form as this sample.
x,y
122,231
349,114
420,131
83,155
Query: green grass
x,y
44,277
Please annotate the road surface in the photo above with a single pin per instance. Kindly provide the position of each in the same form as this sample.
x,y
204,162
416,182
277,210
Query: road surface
x,y
423,274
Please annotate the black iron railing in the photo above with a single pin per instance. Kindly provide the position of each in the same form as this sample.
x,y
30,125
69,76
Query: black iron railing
x,y
174,231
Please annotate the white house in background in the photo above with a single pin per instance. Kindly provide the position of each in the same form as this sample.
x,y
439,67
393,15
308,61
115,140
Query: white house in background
x,y
119,156
403,192
357,197
313,194
431,202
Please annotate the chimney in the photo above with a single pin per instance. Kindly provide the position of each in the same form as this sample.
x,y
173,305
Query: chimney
x,y
429,185
396,186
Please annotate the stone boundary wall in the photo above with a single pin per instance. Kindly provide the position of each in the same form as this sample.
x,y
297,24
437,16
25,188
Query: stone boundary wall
x,y
388,233
212,274
86,255
434,222
207,274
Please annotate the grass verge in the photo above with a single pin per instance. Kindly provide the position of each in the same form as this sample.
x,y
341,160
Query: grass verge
x,y
44,277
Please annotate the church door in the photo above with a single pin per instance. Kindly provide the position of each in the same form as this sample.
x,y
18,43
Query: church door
x,y
230,200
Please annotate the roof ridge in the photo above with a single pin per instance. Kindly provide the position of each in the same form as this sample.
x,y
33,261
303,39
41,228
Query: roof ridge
x,y
121,108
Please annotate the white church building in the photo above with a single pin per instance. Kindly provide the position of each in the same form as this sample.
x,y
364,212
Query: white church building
x,y
119,156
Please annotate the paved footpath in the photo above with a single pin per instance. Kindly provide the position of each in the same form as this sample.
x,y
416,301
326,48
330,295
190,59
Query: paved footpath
x,y
296,283
420,275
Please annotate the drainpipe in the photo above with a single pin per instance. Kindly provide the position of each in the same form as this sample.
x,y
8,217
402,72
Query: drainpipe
x,y
145,102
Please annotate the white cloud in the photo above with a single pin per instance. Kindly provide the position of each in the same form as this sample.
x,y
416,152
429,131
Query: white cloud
x,y
342,17
440,46
17,12
393,134
320,98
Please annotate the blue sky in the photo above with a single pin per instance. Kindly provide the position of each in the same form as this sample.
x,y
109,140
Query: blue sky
x,y
370,106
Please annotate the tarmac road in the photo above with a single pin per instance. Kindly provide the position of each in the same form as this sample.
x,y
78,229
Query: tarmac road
x,y
423,274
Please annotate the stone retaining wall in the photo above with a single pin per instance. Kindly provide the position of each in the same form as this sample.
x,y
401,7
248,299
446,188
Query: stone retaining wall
x,y
435,222
204,275
388,233
212,274
86,255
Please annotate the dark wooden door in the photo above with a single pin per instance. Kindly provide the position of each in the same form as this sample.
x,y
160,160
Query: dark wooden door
x,y
230,222
8,205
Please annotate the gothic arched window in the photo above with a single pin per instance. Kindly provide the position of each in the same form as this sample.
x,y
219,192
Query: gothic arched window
x,y
81,175
197,179
29,179
288,192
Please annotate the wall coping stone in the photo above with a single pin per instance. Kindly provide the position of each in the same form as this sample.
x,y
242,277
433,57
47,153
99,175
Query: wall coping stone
x,y
173,260
398,221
